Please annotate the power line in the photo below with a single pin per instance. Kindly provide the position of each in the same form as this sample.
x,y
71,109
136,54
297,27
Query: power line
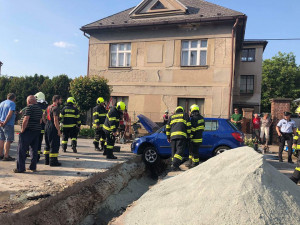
x,y
274,39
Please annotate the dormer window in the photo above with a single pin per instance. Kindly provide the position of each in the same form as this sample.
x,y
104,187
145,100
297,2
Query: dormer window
x,y
158,5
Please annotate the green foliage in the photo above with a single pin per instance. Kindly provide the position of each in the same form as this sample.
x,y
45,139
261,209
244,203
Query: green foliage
x,y
85,132
86,90
250,142
280,78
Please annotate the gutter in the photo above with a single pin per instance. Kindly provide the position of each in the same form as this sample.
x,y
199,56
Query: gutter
x,y
88,66
232,63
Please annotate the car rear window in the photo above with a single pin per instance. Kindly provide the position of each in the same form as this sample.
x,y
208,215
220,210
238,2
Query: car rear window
x,y
232,125
211,125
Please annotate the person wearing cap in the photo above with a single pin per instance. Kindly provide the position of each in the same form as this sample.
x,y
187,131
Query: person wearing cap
x,y
178,130
296,145
70,119
43,104
99,115
110,127
285,129
166,117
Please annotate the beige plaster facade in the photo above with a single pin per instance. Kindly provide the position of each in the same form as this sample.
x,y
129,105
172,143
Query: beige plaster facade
x,y
156,80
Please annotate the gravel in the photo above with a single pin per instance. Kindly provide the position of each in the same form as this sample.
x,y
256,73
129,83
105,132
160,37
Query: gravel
x,y
236,187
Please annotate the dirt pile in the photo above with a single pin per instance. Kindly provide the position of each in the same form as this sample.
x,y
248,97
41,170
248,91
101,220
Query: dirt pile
x,y
236,187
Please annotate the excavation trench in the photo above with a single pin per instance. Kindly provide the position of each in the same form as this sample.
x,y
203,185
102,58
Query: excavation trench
x,y
94,201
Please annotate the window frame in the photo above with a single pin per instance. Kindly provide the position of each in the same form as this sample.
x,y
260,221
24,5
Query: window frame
x,y
247,92
191,49
211,121
117,52
247,57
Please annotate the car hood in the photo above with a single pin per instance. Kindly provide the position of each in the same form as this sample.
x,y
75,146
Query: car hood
x,y
149,125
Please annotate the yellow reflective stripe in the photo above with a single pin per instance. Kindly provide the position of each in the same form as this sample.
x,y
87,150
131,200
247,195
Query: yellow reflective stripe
x,y
61,115
197,140
195,160
100,125
112,118
296,137
298,147
168,133
74,139
109,146
96,120
200,121
96,140
178,121
70,115
189,131
168,126
42,131
189,123
101,139
95,113
69,110
179,115
106,128
177,157
64,142
78,122
198,128
112,127
39,152
69,125
53,155
190,157
77,116
101,115
46,152
297,168
178,133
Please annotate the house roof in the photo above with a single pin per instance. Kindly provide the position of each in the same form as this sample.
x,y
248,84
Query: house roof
x,y
197,11
249,42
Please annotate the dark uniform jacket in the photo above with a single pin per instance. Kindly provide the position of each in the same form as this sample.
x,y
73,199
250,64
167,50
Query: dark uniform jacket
x,y
99,115
178,126
112,120
297,139
197,127
70,116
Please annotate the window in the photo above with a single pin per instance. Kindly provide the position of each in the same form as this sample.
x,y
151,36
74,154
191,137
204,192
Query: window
x,y
211,125
186,103
194,53
120,55
248,55
247,84
116,99
158,5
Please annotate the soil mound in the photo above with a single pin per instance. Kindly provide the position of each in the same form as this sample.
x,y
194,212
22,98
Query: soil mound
x,y
236,187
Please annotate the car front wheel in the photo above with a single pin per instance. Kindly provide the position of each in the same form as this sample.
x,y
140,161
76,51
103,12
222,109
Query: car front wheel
x,y
220,150
150,155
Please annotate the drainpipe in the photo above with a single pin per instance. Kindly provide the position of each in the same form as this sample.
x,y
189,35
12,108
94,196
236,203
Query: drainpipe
x,y
88,67
232,63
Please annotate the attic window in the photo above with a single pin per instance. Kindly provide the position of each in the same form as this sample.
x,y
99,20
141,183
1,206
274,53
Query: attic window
x,y
158,5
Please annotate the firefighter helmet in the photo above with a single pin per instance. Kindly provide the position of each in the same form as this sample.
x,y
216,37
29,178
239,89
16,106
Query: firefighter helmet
x,y
179,109
40,96
298,110
100,100
71,100
194,108
121,106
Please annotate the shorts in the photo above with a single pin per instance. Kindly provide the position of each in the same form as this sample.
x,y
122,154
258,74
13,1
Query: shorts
x,y
7,133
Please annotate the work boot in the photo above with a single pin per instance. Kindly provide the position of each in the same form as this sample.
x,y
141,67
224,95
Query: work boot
x,y
296,176
96,144
47,159
102,146
111,156
64,147
74,149
54,162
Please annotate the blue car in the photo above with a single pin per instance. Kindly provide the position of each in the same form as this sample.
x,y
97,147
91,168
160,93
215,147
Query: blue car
x,y
219,135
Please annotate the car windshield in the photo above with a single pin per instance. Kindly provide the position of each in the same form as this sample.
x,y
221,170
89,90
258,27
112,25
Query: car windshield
x,y
161,129
232,125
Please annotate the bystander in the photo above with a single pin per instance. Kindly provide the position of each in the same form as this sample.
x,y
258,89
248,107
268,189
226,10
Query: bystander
x,y
237,119
7,122
265,129
29,135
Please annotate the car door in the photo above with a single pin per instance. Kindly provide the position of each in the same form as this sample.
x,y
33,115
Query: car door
x,y
162,145
210,138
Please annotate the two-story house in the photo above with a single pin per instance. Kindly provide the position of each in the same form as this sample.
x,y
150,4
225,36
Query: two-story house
x,y
165,53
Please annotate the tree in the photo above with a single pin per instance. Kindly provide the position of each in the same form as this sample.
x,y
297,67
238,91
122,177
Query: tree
x,y
61,86
280,78
86,90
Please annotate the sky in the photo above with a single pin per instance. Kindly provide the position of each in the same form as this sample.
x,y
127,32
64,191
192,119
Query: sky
x,y
43,36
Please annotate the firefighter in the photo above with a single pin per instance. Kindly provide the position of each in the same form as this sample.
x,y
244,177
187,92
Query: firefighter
x,y
52,132
110,127
178,130
296,145
40,97
197,128
70,119
99,115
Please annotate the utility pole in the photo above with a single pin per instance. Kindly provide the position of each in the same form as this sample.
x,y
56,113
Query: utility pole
x,y
1,63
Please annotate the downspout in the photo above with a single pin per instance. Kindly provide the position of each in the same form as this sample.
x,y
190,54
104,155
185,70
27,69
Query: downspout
x,y
232,63
88,67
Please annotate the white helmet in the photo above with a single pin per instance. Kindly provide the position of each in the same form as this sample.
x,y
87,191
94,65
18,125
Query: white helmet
x,y
40,97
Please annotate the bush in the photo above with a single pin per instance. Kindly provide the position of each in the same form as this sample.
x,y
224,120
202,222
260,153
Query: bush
x,y
85,132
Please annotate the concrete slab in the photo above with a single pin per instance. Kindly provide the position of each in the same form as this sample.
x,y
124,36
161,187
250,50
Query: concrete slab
x,y
76,167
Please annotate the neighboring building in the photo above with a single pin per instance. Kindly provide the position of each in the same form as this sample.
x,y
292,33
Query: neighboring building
x,y
165,53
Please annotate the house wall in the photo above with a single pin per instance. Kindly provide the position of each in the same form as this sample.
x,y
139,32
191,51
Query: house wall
x,y
249,68
156,80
